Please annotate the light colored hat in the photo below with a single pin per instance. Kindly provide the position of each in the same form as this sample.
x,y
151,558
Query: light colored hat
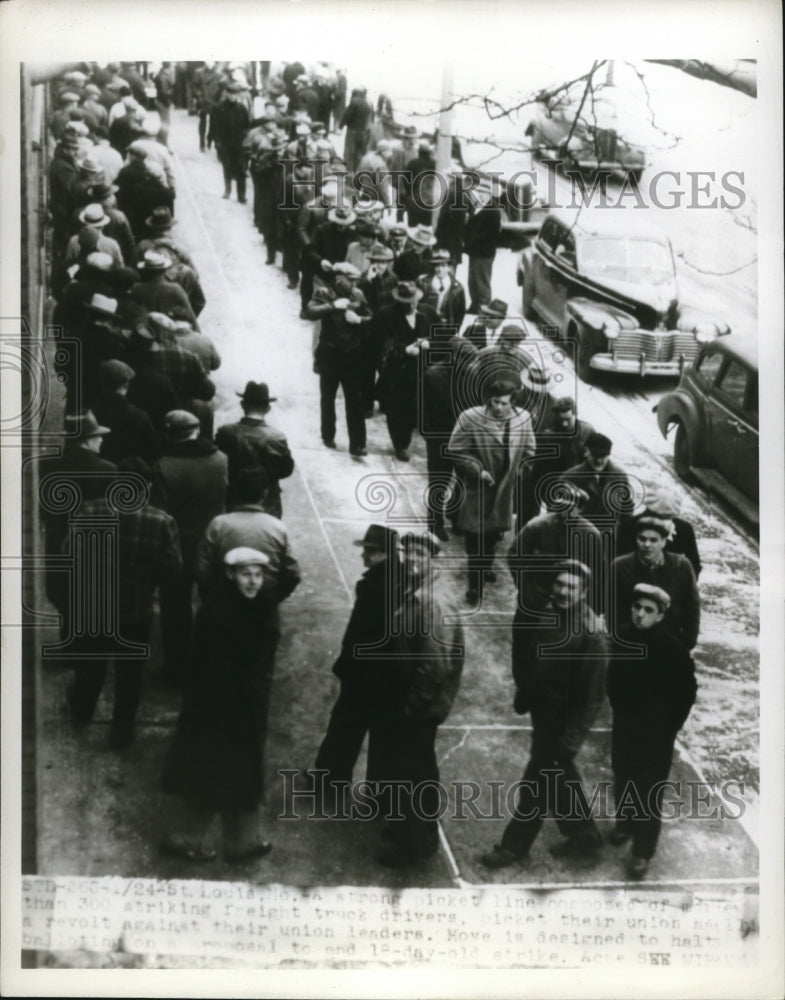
x,y
536,379
303,129
343,216
154,260
100,261
102,303
84,425
94,215
89,165
424,235
77,128
243,555
346,270
178,424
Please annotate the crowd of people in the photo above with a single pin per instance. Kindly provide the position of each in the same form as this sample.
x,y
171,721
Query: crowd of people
x,y
614,565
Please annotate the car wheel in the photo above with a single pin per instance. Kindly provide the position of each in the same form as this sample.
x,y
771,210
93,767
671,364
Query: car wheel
x,y
682,454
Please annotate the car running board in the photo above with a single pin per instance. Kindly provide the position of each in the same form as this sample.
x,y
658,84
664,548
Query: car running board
x,y
717,483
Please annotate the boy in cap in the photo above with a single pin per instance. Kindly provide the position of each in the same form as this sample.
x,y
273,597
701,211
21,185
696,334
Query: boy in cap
x,y
216,761
651,697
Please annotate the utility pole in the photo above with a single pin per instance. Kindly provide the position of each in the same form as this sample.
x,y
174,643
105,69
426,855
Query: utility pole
x,y
444,143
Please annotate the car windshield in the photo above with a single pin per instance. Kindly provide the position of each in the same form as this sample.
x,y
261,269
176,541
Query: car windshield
x,y
633,260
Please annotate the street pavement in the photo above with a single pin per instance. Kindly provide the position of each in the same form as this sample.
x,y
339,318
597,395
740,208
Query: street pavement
x,y
101,812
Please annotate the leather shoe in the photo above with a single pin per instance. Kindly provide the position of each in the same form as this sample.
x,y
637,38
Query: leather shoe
x,y
501,857
257,851
358,452
330,444
402,455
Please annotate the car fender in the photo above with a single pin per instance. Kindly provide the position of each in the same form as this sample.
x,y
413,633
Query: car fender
x,y
679,407
692,320
600,316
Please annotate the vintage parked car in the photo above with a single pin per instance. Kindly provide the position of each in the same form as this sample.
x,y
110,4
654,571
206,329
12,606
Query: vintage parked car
x,y
715,413
606,279
594,142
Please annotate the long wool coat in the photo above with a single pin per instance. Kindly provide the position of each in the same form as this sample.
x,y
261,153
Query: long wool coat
x,y
477,444
216,761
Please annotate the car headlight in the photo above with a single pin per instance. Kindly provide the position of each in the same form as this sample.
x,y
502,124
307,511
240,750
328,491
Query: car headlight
x,y
610,330
705,332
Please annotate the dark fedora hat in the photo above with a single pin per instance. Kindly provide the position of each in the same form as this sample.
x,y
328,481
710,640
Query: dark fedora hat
x,y
256,393
497,309
406,291
378,537
84,425
159,219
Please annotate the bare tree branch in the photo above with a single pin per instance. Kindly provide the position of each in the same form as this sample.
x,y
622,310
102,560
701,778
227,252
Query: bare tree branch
x,y
734,78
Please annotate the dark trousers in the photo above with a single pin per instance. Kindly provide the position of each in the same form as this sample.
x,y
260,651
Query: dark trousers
x,y
346,372
233,163
354,715
205,139
420,799
641,761
306,281
89,676
480,550
176,599
550,784
265,209
439,474
291,251
401,422
480,270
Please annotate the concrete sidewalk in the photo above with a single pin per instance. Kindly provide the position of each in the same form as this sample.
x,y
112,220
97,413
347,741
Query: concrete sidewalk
x,y
102,812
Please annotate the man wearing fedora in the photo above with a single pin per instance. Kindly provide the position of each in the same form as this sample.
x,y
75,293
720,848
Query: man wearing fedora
x,y
311,216
534,395
342,354
480,239
651,697
331,240
368,668
132,431
403,330
378,282
416,258
484,331
99,192
252,442
263,146
359,253
194,474
444,293
155,291
93,218
158,236
142,187
153,150
81,464
490,445
228,124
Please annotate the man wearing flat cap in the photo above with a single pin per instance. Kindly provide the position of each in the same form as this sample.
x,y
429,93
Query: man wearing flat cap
x,y
132,430
651,687
610,493
216,760
252,442
416,258
650,563
560,681
372,686
194,474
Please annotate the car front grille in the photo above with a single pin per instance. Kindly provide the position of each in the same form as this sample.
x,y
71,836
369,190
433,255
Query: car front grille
x,y
655,345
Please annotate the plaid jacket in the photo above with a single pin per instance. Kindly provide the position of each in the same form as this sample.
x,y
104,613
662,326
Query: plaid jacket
x,y
184,370
148,553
